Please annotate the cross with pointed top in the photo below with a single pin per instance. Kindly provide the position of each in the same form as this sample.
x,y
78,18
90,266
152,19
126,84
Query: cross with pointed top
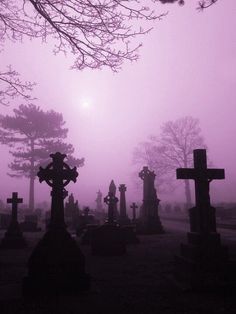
x,y
14,201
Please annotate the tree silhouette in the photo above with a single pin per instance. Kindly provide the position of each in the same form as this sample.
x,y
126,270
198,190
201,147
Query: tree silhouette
x,y
172,149
32,135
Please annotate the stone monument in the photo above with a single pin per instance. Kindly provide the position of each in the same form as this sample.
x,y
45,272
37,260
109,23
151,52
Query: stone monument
x,y
13,238
203,261
133,206
109,239
149,220
56,265
123,218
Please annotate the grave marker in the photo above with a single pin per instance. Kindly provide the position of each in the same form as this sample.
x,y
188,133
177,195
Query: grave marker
x,y
56,265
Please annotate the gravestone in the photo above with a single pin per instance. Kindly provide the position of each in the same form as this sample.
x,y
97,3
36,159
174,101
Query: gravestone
x,y
72,212
84,221
88,224
56,265
99,212
13,238
99,207
109,239
112,189
124,221
203,260
133,206
123,218
149,220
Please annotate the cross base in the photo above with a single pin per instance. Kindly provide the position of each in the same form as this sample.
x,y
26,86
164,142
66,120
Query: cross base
x,y
108,240
13,238
56,266
149,225
204,262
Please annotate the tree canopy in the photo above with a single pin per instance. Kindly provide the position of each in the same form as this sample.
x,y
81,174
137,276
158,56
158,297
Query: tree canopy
x,y
32,135
172,148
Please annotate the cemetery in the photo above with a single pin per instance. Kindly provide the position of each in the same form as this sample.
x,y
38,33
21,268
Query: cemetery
x,y
119,263
118,177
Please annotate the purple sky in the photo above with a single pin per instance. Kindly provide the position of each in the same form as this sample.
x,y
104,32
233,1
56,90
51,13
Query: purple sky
x,y
187,66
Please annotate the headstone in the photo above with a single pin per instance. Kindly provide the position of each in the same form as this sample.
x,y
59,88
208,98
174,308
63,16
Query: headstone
x,y
72,212
123,218
203,260
56,265
99,212
109,239
134,207
84,220
13,238
149,220
112,189
99,207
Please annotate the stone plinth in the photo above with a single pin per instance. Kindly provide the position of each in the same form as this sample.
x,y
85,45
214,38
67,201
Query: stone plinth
x,y
146,225
108,240
56,266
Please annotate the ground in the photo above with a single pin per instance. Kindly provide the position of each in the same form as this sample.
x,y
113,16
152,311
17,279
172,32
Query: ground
x,y
140,282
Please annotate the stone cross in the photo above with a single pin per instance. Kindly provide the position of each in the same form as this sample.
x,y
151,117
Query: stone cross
x,y
14,201
111,201
202,177
148,178
86,211
134,207
122,189
57,175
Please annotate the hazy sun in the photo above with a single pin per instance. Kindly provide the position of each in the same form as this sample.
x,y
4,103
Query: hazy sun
x,y
85,104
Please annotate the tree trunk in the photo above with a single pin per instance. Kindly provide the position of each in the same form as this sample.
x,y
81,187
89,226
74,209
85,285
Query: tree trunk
x,y
32,177
187,186
188,194
31,193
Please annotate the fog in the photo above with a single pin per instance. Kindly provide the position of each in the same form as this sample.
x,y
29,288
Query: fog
x,y
187,66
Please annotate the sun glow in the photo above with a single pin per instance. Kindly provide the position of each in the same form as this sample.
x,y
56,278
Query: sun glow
x,y
85,104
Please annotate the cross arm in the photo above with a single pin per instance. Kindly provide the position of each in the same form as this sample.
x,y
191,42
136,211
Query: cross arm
x,y
185,173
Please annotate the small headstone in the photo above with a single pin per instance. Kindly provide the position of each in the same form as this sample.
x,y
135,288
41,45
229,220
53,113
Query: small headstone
x,y
109,239
56,265
149,220
134,207
72,212
203,261
123,218
99,207
13,238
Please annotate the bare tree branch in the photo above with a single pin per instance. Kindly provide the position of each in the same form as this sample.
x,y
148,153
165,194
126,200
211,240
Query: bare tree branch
x,y
11,86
